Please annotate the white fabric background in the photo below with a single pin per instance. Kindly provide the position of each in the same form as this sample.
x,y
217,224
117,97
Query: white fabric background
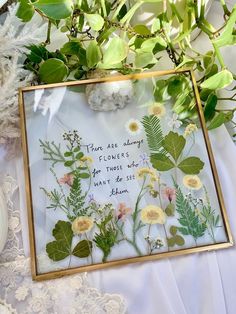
x,y
196,284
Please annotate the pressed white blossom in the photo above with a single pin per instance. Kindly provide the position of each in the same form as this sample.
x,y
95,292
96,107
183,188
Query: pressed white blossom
x,y
174,123
134,127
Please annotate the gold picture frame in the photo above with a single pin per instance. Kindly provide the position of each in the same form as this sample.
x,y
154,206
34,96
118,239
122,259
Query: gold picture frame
x,y
36,275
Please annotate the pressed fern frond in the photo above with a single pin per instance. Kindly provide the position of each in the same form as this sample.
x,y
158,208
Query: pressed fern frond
x,y
189,219
76,198
154,134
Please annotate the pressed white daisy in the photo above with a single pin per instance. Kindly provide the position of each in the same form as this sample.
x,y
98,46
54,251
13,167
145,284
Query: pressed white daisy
x,y
192,182
157,109
133,126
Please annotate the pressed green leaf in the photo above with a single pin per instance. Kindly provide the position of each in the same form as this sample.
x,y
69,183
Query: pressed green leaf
x,y
153,132
173,230
210,106
171,241
95,21
191,165
161,162
61,248
63,232
82,249
218,81
217,121
170,209
68,154
57,250
183,230
68,163
55,9
93,54
84,175
25,11
174,144
79,155
115,52
53,71
142,59
179,240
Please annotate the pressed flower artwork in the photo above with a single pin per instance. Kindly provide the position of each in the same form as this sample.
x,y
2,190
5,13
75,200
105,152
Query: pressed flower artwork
x,y
118,182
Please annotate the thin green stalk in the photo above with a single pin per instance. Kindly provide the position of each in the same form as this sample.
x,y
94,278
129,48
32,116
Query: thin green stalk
x,y
219,55
104,8
118,9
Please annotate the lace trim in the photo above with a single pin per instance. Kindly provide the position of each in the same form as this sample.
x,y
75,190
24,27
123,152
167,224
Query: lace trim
x,y
20,295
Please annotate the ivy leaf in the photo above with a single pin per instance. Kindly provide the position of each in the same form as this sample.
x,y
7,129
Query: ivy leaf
x,y
227,37
55,9
210,106
82,249
161,162
53,71
73,47
191,165
25,11
95,21
218,81
174,144
220,119
115,52
93,54
142,59
61,248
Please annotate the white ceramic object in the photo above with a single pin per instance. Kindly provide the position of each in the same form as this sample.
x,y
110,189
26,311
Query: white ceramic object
x,y
3,219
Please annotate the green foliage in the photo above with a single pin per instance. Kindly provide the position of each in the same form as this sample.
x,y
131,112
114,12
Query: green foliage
x,y
52,152
218,81
170,210
95,21
209,110
153,132
61,247
107,236
56,9
82,249
170,147
191,165
76,198
53,71
220,119
174,144
115,52
25,11
188,218
175,238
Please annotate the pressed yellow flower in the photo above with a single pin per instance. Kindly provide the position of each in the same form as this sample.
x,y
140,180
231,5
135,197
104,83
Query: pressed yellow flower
x,y
152,214
190,128
157,110
147,171
134,126
82,224
86,159
192,182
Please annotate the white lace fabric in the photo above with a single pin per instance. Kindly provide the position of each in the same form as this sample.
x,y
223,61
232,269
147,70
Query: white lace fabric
x,y
68,295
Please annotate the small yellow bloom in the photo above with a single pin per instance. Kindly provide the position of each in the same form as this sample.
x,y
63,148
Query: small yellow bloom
x,y
192,182
190,128
87,159
157,110
82,224
152,214
147,171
